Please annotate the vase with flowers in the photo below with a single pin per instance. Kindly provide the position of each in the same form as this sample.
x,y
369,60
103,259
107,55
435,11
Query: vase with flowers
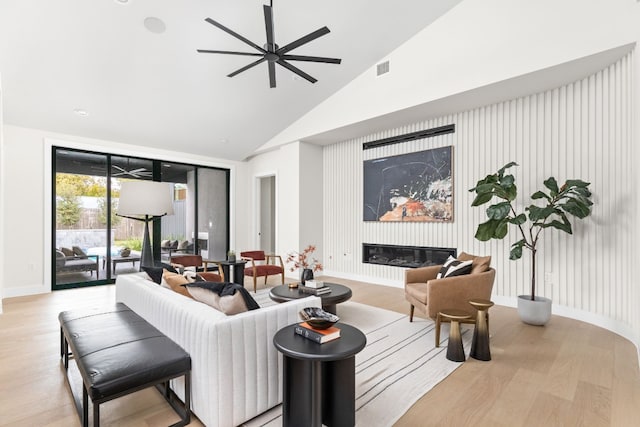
x,y
306,261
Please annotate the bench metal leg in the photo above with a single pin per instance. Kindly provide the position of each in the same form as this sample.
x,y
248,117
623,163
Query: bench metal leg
x,y
96,414
85,407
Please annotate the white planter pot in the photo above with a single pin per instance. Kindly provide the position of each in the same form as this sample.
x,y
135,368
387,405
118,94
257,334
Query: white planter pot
x,y
536,312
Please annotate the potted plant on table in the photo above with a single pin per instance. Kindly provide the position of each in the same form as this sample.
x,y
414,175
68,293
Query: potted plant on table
x,y
572,198
304,260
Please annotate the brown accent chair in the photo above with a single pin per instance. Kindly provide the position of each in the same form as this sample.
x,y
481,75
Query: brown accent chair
x,y
431,295
262,265
202,267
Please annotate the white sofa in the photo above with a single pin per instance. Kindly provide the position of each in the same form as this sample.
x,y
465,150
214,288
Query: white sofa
x,y
236,370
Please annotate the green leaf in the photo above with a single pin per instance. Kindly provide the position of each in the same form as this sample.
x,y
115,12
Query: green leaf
x,y
499,210
575,208
564,226
505,167
501,230
485,188
507,181
577,183
552,185
516,250
540,195
537,213
481,199
511,193
520,219
486,230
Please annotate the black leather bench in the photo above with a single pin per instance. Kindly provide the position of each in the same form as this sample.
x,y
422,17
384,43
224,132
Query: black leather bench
x,y
118,352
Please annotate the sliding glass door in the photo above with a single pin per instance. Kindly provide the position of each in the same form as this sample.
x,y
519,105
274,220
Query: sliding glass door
x,y
92,245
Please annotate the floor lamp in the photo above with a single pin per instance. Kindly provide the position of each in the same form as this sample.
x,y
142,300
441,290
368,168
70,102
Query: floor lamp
x,y
145,201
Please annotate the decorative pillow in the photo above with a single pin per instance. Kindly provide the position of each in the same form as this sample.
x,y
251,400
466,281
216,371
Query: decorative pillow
x,y
154,273
229,298
173,244
67,252
183,245
175,280
78,252
192,276
480,263
165,243
125,252
454,267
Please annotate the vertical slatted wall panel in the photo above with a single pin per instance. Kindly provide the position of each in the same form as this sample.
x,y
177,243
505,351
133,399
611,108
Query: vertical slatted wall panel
x,y
581,130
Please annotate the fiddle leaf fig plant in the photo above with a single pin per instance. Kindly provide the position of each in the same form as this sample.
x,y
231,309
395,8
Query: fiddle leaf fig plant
x,y
555,205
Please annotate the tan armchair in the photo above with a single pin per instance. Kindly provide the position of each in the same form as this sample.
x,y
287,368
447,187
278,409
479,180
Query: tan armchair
x,y
431,295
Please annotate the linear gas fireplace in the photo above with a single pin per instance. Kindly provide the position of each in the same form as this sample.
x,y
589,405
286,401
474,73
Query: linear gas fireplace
x,y
405,256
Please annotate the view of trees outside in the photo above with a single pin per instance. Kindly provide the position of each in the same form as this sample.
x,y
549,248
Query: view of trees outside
x,y
81,203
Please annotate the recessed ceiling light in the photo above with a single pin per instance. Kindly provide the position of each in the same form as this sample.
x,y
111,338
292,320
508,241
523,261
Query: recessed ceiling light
x,y
122,1
155,25
81,112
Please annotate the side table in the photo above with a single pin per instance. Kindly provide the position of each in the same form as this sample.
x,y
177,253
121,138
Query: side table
x,y
238,270
319,379
480,344
455,350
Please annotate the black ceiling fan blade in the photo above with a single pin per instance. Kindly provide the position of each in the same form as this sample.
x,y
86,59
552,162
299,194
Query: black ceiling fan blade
x,y
311,59
272,74
303,40
268,25
234,34
229,52
297,70
246,67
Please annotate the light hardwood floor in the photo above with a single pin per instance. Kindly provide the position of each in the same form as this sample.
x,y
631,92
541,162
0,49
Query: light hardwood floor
x,y
567,373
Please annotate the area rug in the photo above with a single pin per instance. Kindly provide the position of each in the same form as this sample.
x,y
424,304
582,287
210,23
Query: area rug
x,y
398,365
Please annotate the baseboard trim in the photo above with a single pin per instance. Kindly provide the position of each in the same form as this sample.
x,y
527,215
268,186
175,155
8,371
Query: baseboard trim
x,y
24,291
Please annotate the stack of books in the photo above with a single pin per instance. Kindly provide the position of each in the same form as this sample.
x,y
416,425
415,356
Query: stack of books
x,y
314,287
320,336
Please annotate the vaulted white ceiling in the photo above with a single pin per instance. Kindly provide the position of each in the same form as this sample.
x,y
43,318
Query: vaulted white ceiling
x,y
154,89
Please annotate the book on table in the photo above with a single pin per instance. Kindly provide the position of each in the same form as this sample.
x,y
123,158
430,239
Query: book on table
x,y
320,336
314,284
314,291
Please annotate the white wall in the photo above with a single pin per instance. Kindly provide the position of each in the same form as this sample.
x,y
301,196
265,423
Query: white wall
x,y
582,130
26,187
298,171
477,43
1,194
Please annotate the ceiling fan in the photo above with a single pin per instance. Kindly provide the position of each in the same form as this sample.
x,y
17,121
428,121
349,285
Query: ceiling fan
x,y
135,173
272,53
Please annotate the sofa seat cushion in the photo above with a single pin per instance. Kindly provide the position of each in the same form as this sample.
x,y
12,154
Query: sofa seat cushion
x,y
264,270
417,291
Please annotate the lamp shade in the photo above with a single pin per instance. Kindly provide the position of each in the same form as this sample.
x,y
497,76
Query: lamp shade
x,y
145,198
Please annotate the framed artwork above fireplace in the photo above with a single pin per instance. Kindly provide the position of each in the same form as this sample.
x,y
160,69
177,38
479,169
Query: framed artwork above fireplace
x,y
413,187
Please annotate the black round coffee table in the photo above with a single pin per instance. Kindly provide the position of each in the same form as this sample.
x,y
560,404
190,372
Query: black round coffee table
x,y
338,294
319,379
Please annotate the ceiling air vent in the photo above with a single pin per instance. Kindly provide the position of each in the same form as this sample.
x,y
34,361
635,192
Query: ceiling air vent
x,y
383,68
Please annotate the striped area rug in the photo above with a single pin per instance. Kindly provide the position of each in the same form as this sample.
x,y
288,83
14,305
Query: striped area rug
x,y
398,366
